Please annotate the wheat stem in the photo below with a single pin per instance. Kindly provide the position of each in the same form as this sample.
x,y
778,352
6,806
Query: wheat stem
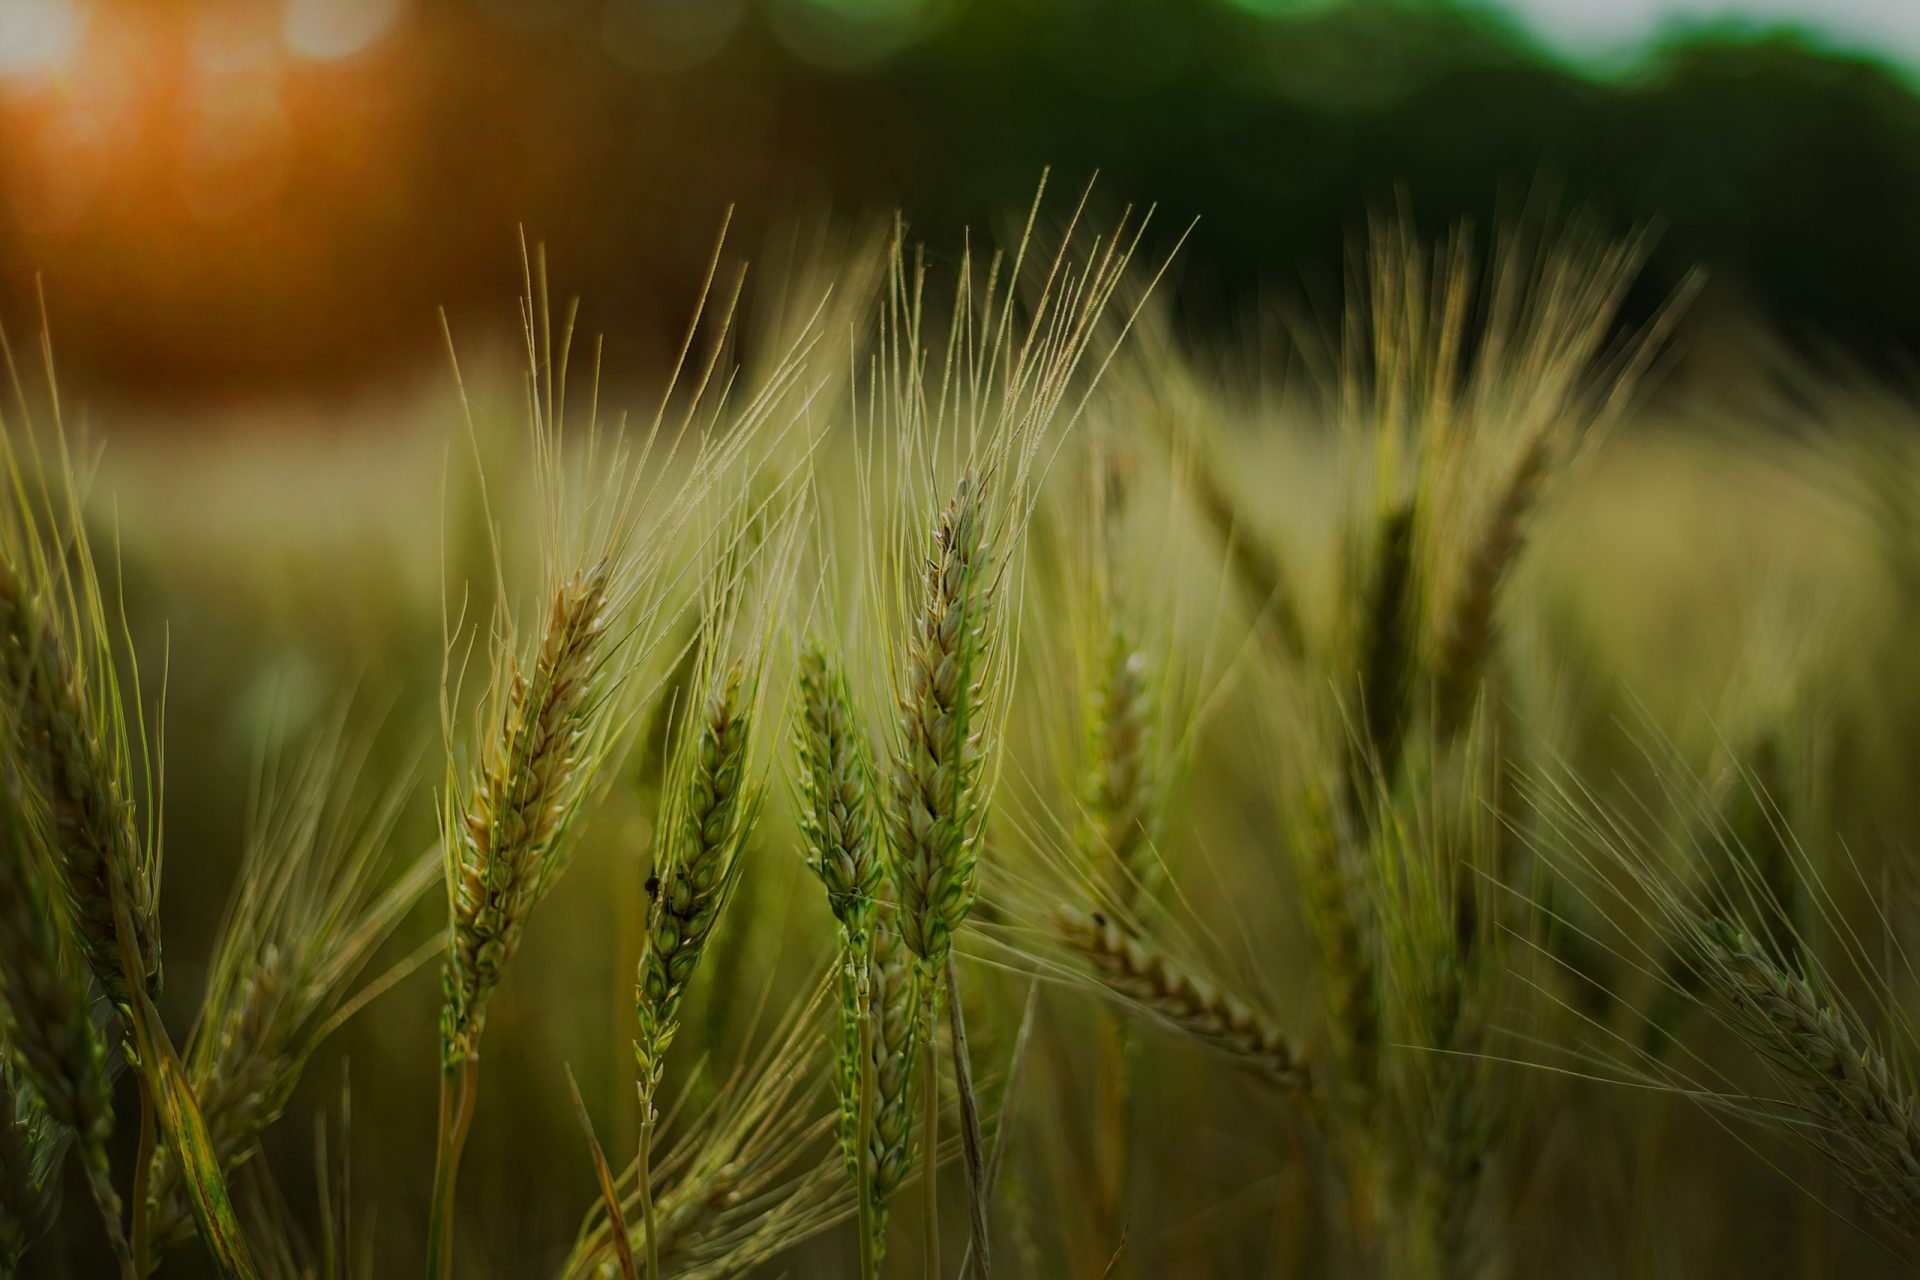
x,y
930,1135
141,1207
459,1089
647,1218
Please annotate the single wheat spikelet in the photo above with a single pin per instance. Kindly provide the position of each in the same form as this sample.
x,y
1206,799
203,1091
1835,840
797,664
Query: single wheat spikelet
x,y
1467,635
503,850
933,819
836,805
1121,796
1866,1116
59,743
47,1001
711,811
1188,1003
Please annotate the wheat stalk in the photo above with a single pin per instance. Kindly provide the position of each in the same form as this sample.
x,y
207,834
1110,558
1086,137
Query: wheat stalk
x,y
745,1179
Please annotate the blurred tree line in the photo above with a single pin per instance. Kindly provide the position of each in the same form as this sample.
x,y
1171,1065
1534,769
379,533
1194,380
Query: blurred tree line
x,y
1792,174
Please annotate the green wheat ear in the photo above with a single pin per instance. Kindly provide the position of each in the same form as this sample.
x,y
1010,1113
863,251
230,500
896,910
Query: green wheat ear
x,y
710,810
933,815
835,799
47,999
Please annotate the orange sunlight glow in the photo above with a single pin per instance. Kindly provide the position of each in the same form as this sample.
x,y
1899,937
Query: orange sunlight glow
x,y
326,29
36,36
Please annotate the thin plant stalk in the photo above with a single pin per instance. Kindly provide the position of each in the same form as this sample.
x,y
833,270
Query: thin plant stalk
x,y
972,1147
863,1189
647,1217
930,1136
459,1086
142,1172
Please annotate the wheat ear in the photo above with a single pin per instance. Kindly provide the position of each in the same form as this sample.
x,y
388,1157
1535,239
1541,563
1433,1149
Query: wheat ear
x,y
933,814
505,848
31,1147
712,808
1468,627
933,818
1387,656
48,1006
1121,796
836,805
1349,975
1181,999
1865,1114
89,811
843,850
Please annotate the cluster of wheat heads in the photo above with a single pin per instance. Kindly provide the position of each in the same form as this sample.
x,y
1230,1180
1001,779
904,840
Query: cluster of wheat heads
x,y
315,899
1048,701
1464,388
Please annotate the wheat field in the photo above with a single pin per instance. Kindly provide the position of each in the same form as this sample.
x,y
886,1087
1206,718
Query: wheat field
x,y
951,778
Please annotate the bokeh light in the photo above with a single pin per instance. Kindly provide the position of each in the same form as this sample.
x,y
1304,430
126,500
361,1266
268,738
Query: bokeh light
x,y
326,29
1616,29
38,35
848,34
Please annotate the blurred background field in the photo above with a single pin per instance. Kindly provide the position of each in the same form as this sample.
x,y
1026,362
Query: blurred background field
x,y
246,217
